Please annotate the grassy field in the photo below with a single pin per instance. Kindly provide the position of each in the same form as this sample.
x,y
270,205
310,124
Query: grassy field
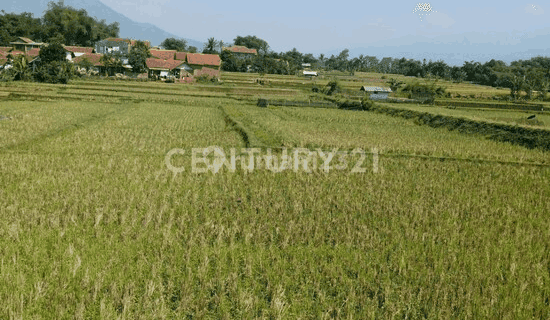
x,y
93,224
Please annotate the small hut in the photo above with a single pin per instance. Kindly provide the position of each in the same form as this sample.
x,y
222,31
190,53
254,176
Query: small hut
x,y
376,93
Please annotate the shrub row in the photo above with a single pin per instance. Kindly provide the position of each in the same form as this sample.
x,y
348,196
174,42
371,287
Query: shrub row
x,y
470,104
318,104
527,137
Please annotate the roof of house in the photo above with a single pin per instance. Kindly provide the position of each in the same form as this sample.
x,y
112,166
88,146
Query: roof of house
x,y
6,49
34,52
117,40
163,54
16,52
23,40
240,49
27,40
79,49
181,55
203,59
160,64
94,58
379,89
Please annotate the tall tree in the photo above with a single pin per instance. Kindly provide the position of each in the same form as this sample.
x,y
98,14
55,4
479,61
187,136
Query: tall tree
x,y
138,57
76,27
210,46
220,46
174,44
252,42
52,52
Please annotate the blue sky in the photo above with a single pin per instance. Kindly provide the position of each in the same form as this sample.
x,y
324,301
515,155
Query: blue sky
x,y
322,26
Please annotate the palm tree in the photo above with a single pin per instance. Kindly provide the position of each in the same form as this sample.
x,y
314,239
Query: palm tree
x,y
210,46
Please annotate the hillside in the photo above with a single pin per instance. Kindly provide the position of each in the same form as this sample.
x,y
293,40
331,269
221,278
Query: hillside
x,y
128,28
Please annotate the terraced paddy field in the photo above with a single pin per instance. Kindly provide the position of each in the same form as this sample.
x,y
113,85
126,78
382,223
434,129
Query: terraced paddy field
x,y
94,224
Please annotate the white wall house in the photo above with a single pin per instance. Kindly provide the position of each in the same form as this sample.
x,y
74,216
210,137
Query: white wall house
x,y
377,93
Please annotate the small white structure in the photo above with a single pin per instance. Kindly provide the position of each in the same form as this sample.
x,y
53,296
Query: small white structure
x,y
310,73
377,93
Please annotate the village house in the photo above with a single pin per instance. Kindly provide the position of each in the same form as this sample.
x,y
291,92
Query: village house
x,y
163,54
111,45
241,52
204,64
183,66
94,59
73,52
25,44
376,93
162,69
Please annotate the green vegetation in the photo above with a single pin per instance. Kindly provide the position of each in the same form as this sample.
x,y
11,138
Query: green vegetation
x,y
94,225
60,23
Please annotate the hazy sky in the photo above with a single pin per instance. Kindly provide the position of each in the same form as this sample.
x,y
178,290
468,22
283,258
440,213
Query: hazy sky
x,y
320,26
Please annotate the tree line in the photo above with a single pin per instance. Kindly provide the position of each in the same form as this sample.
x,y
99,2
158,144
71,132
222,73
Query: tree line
x,y
60,23
528,76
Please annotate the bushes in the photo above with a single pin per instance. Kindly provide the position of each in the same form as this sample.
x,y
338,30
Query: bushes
x,y
54,72
204,78
333,86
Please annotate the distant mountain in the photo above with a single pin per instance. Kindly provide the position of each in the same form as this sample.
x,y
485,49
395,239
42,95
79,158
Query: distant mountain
x,y
128,28
456,49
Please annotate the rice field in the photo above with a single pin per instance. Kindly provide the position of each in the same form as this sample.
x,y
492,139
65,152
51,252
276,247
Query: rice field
x,y
94,225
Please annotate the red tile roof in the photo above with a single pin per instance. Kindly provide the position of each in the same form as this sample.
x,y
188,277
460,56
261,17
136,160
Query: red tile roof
x,y
153,63
181,55
79,49
34,52
6,49
163,54
92,57
15,52
240,49
203,59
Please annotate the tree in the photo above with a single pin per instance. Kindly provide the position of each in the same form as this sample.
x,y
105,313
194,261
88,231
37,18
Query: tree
x,y
394,84
138,57
220,46
75,26
55,72
342,60
19,25
252,42
321,61
229,63
52,52
210,46
174,44
20,68
113,62
192,49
